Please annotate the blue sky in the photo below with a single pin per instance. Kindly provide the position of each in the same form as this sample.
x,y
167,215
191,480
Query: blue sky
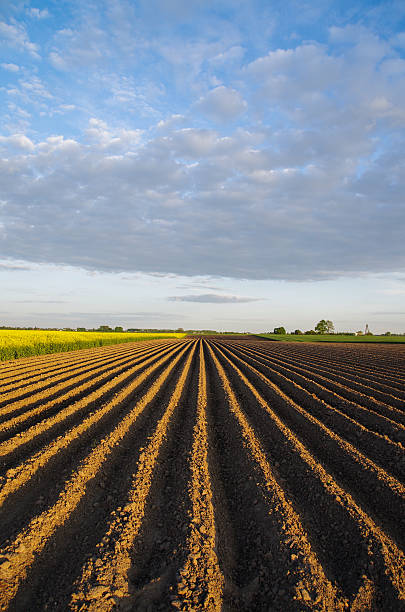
x,y
232,165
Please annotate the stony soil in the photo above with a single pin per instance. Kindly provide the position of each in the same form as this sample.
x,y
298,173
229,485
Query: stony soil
x,y
204,474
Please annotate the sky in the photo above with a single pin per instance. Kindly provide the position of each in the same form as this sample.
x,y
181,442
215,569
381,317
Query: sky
x,y
231,165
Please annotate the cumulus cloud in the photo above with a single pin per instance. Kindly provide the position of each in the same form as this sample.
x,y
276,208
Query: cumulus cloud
x,y
19,141
99,133
222,104
212,298
194,203
313,190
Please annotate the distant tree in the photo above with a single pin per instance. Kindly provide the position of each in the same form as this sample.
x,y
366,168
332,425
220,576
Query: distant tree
x,y
104,328
179,330
81,329
118,328
310,332
298,332
279,330
387,333
324,327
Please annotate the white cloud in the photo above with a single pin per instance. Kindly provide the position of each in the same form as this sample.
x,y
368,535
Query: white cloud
x,y
311,188
222,104
81,48
67,107
30,92
233,54
288,210
166,125
34,87
312,86
38,13
11,67
188,58
116,140
398,40
57,61
15,34
212,298
19,141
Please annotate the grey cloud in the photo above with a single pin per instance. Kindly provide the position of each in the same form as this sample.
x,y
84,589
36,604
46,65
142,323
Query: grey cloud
x,y
228,213
212,298
317,196
13,268
198,286
222,104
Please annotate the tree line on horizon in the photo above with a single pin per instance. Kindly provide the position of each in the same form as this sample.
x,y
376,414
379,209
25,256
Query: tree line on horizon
x,y
322,328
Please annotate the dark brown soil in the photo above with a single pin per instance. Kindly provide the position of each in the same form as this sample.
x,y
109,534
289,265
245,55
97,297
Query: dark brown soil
x,y
300,452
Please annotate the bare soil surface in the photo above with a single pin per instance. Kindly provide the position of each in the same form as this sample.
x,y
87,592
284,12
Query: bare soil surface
x,y
210,473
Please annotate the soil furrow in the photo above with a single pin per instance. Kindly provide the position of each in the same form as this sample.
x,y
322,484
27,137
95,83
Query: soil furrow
x,y
18,476
379,492
104,580
79,397
378,413
23,551
319,355
385,558
311,583
386,450
68,382
225,473
202,582
70,547
36,363
25,385
362,391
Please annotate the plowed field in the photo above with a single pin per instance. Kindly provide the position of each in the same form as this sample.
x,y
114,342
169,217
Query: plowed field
x,y
204,474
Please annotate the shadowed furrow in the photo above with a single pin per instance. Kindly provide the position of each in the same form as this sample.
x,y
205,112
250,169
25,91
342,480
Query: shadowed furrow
x,y
104,581
21,553
204,474
25,386
55,411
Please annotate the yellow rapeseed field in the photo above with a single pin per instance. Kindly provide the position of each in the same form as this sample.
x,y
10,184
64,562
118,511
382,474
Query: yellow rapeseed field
x,y
24,343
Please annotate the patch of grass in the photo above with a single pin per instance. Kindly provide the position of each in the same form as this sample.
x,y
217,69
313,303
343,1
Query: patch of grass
x,y
333,338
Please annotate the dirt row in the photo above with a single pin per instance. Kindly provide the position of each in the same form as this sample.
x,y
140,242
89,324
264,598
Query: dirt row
x,y
379,359
203,474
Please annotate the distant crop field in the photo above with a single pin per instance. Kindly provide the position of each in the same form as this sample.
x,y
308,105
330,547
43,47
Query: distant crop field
x,y
332,338
26,343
